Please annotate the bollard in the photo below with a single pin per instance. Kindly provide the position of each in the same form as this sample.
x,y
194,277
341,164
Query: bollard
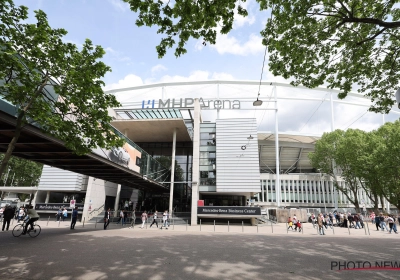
x,y
257,228
272,227
365,229
214,225
333,228
368,229
48,221
83,221
348,227
242,227
317,227
173,223
200,224
287,228
302,230
228,226
95,225
59,222
186,224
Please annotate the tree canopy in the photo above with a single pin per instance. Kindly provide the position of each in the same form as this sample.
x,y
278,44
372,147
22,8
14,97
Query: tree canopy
x,y
345,45
52,83
365,160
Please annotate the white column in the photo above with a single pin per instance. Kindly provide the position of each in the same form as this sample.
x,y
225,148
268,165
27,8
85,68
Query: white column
x,y
47,197
196,161
262,190
278,179
117,200
171,190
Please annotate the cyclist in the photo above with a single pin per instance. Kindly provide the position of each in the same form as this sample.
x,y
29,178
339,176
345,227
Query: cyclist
x,y
33,217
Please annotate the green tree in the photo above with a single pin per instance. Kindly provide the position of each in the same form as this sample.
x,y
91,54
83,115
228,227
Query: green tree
x,y
52,83
388,161
21,172
336,154
313,42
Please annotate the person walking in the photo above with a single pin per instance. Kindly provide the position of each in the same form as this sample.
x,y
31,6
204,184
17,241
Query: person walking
x,y
155,219
382,222
320,221
21,214
290,223
107,216
392,224
74,217
8,214
144,218
121,216
165,220
64,214
58,214
377,222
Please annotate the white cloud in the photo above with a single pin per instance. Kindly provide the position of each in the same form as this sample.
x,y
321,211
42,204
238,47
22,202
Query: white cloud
x,y
116,54
119,5
230,45
196,76
158,68
130,80
239,20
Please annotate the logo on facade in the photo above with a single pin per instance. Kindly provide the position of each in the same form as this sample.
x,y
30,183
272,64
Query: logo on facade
x,y
189,102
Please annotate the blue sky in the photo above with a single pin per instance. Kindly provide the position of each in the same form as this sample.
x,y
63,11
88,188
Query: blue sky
x,y
131,53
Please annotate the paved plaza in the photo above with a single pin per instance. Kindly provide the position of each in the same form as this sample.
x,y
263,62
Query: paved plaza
x,y
185,252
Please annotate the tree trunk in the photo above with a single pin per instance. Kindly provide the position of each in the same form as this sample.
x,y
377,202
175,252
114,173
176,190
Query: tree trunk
x,y
11,145
382,204
376,202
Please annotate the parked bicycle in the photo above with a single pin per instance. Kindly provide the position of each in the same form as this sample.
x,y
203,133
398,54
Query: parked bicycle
x,y
32,231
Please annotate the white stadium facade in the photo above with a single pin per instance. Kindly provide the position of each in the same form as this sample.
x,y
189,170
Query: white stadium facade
x,y
222,155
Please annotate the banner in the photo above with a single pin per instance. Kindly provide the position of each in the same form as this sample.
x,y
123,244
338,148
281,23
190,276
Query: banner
x,y
229,210
56,206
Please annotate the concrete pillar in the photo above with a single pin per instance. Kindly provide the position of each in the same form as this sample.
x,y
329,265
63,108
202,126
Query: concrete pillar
x,y
117,200
171,189
47,197
196,161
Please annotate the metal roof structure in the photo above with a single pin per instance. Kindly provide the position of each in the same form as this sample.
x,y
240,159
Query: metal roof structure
x,y
34,145
293,152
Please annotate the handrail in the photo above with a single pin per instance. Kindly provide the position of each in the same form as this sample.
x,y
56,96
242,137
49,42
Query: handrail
x,y
97,210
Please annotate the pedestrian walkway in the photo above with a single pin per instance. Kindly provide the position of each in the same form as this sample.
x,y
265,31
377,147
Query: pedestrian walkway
x,y
270,229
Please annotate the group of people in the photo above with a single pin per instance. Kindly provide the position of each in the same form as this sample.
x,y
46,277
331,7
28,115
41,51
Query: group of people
x,y
293,221
381,220
61,214
144,217
26,214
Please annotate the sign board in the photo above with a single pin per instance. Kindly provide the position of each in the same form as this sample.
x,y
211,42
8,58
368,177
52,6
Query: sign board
x,y
229,210
55,206
72,203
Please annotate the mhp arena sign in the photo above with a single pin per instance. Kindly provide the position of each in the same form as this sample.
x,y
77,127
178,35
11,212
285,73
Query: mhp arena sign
x,y
229,210
189,102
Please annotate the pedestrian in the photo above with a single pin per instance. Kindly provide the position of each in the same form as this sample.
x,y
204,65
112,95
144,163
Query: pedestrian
x,y
126,204
121,216
392,224
144,218
298,225
21,213
294,221
155,219
58,214
357,221
107,216
165,220
320,221
8,214
290,223
382,222
64,214
133,219
74,217
377,222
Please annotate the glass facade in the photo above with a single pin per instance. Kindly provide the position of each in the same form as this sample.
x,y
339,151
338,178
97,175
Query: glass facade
x,y
207,154
162,153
